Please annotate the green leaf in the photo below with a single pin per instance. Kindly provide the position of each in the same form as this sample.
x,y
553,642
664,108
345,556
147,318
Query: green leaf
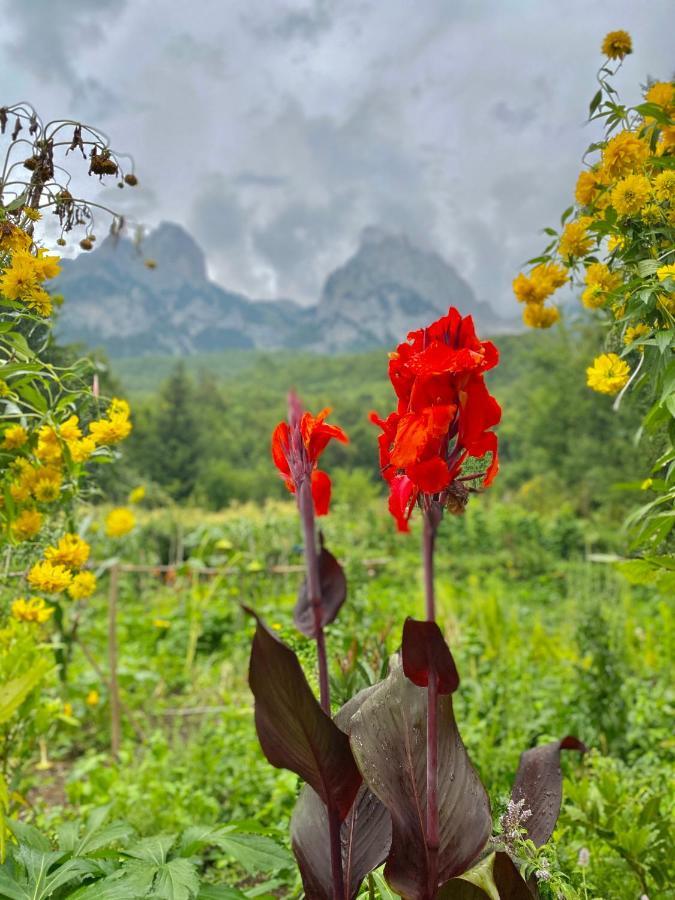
x,y
152,849
197,837
11,889
14,692
219,892
30,836
654,111
595,103
565,216
647,267
177,880
383,888
255,852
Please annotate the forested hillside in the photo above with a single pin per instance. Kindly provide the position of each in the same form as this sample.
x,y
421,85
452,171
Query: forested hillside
x,y
202,425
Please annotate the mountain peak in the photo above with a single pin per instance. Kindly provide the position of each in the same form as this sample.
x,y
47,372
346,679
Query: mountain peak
x,y
388,287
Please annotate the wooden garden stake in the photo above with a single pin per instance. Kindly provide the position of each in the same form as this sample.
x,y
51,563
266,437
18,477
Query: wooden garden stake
x,y
114,690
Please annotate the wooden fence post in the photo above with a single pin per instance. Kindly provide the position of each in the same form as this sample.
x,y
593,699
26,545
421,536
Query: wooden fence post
x,y
114,690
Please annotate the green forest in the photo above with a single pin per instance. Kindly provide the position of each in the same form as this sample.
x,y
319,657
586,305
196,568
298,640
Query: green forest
x,y
202,425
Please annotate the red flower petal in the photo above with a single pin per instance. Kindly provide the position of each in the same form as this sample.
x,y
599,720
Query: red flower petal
x,y
402,497
430,476
321,489
280,446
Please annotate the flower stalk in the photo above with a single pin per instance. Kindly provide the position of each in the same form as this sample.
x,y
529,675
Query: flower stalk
x,y
306,506
432,829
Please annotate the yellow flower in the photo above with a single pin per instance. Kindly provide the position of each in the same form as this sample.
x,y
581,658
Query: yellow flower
x,y
13,239
49,578
615,242
137,495
70,429
599,274
617,44
664,186
47,486
33,610
666,272
19,280
83,585
667,139
586,189
68,710
27,524
15,436
646,484
82,449
630,194
662,93
537,316
608,374
33,214
46,266
667,303
575,240
543,280
593,297
115,427
5,389
49,446
652,214
161,623
71,551
635,332
623,154
120,521
92,698
39,301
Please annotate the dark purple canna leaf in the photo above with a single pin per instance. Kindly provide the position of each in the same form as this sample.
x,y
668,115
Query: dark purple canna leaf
x,y
388,736
365,833
539,785
423,651
294,732
497,871
333,594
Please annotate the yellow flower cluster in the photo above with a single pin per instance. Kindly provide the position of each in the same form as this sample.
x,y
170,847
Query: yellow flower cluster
x,y
57,572
533,289
22,276
33,610
120,521
115,426
41,466
608,374
625,201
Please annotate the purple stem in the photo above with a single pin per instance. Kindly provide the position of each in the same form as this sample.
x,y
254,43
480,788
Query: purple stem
x,y
306,507
433,837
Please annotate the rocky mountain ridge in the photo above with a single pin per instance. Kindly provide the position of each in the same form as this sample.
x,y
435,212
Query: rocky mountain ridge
x,y
115,301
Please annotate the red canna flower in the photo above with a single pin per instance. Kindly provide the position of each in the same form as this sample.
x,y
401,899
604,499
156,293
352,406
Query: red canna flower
x,y
444,415
297,447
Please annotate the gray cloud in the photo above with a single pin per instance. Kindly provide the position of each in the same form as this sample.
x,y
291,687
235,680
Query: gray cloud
x,y
277,131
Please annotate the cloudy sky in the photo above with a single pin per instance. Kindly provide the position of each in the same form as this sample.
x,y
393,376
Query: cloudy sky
x,y
276,130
